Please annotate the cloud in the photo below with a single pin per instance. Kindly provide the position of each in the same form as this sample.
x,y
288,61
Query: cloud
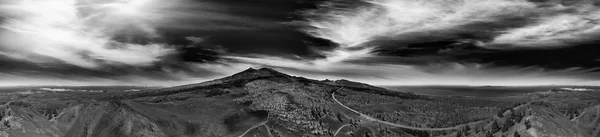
x,y
385,42
419,33
78,33
555,31
492,24
112,42
196,40
354,26
371,24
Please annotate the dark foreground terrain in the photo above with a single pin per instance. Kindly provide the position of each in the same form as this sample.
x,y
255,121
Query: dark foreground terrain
x,y
266,103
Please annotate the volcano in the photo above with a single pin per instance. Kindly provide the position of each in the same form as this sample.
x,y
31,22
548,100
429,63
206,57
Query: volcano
x,y
267,103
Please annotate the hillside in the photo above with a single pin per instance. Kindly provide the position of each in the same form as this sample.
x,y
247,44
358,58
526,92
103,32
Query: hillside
x,y
267,103
554,113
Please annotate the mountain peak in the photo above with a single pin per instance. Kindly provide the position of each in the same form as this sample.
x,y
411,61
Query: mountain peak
x,y
249,70
254,73
269,70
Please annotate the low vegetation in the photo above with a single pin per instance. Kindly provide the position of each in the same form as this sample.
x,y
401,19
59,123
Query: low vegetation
x,y
267,103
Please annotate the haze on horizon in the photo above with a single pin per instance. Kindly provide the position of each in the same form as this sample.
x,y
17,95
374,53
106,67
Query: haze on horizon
x,y
380,42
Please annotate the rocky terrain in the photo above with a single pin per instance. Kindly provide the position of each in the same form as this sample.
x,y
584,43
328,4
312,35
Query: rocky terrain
x,y
267,103
555,113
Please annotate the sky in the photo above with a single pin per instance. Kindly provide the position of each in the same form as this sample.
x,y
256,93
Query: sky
x,y
379,42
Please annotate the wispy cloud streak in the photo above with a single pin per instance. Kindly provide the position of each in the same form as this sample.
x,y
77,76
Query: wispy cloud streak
x,y
79,33
563,29
389,18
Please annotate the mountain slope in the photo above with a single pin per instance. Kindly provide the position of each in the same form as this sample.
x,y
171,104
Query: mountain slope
x,y
267,103
554,113
245,103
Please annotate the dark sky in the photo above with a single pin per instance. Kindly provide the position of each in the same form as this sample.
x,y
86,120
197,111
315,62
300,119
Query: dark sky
x,y
382,42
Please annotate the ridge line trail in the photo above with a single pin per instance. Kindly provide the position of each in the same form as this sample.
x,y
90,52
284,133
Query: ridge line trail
x,y
389,123
256,126
339,129
268,130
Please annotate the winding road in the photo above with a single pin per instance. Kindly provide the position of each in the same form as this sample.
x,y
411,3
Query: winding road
x,y
340,129
389,123
256,126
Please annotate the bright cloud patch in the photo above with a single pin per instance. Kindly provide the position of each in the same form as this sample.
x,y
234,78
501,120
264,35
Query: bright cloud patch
x,y
80,32
389,18
559,30
552,23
